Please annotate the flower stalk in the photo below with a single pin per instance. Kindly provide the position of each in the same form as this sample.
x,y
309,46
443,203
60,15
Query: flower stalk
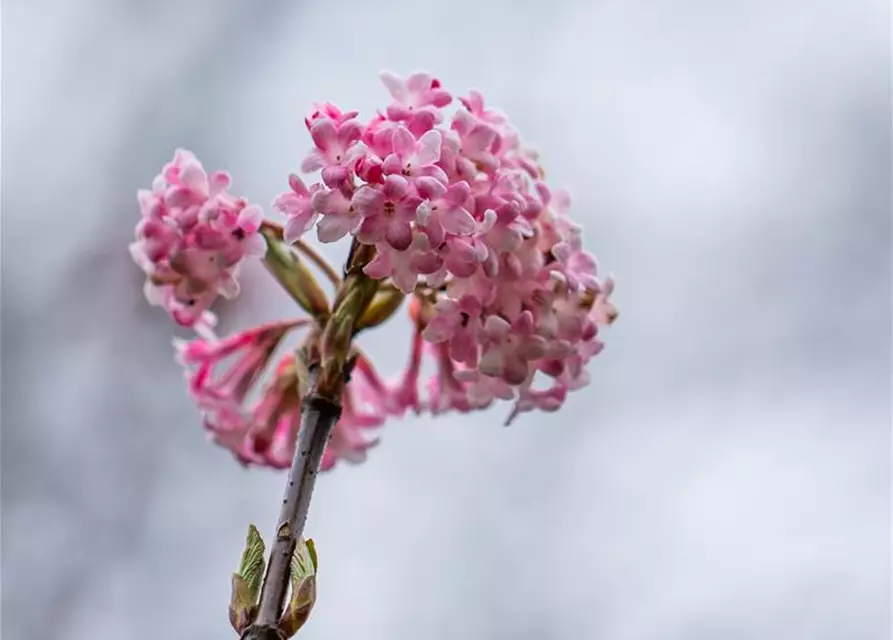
x,y
445,207
318,418
329,367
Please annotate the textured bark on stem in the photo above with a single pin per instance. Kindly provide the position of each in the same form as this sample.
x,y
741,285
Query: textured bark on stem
x,y
318,418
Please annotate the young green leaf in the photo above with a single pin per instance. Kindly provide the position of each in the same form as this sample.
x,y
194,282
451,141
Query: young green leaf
x,y
246,582
303,589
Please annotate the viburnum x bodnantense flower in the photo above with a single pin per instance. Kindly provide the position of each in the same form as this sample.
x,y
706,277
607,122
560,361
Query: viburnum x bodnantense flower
x,y
442,203
460,218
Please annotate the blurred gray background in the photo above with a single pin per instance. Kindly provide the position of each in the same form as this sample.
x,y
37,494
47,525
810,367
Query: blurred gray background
x,y
727,473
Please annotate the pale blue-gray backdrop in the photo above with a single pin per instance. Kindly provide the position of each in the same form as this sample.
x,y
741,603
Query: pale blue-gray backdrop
x,y
726,475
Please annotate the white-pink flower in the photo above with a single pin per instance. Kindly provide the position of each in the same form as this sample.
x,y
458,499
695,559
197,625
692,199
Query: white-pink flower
x,y
337,148
414,158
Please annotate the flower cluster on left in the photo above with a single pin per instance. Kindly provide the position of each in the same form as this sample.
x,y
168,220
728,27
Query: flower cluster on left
x,y
191,240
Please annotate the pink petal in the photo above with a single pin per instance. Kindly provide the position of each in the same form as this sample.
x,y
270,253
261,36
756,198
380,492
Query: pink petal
x,y
458,222
393,164
297,185
334,227
348,132
457,194
354,153
497,328
367,201
405,279
314,161
561,251
219,181
324,134
480,138
423,213
395,187
250,218
515,370
399,235
394,84
418,82
380,267
254,245
492,362
427,263
430,188
297,226
334,177
524,324
404,142
193,176
439,97
428,148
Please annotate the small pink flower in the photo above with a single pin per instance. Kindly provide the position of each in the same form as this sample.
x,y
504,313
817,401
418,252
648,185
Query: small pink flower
x,y
445,392
405,394
509,348
337,149
417,99
327,110
443,209
296,205
458,323
219,389
478,141
404,267
414,158
339,217
475,105
388,212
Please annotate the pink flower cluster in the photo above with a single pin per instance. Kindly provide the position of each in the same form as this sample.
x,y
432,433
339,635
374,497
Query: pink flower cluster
x,y
457,205
264,431
506,301
191,238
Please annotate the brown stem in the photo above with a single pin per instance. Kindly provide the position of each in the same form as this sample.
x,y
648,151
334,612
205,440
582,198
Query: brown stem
x,y
319,416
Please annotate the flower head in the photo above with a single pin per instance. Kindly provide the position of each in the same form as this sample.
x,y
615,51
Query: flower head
x,y
450,208
191,239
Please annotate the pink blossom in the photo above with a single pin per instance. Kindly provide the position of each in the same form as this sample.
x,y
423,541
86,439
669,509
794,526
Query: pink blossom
x,y
414,158
192,237
509,348
442,209
475,104
296,205
477,141
388,212
339,217
405,394
222,373
458,323
337,149
327,110
404,267
416,100
506,299
212,382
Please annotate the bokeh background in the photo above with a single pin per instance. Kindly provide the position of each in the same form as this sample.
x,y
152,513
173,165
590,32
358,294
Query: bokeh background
x,y
727,473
